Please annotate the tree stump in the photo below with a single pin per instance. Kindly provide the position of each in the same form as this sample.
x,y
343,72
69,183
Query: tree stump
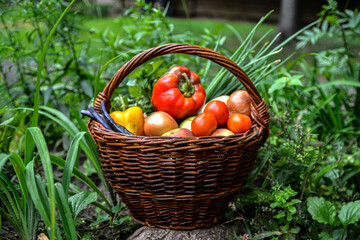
x,y
217,232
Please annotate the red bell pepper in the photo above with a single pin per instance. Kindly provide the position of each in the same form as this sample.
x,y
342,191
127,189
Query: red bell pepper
x,y
179,93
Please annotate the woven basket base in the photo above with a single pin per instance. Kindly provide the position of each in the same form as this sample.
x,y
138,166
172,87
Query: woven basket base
x,y
178,214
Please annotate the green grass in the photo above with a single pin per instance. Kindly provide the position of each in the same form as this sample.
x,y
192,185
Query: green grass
x,y
195,26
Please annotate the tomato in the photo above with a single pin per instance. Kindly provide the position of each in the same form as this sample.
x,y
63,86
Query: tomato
x,y
223,98
204,124
219,110
239,123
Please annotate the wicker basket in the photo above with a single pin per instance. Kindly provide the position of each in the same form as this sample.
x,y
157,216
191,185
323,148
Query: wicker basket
x,y
179,183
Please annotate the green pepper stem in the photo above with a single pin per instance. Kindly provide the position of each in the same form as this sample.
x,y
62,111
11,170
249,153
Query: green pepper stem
x,y
123,104
187,88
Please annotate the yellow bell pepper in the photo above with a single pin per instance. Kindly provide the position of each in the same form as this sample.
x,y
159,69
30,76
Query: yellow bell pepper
x,y
132,119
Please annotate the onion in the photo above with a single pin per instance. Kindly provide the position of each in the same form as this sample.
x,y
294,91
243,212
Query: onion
x,y
239,102
159,123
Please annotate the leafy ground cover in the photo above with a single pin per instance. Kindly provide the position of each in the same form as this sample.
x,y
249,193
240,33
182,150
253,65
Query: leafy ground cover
x,y
305,184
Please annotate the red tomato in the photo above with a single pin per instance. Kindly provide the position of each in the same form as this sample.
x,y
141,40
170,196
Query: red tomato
x,y
204,124
239,123
219,110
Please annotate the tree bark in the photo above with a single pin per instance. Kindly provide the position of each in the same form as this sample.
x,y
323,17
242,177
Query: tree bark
x,y
290,17
221,231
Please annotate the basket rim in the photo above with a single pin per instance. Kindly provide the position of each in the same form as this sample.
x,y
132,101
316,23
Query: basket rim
x,y
259,111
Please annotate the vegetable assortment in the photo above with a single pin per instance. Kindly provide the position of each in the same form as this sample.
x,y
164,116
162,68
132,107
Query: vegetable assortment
x,y
178,99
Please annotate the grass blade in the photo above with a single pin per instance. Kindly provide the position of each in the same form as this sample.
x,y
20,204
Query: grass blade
x,y
71,158
3,158
65,212
29,149
8,216
87,144
19,169
35,195
67,124
11,203
321,106
40,143
215,87
334,83
35,116
78,174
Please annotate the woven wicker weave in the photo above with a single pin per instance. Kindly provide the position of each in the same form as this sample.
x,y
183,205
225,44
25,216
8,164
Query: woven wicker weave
x,y
179,183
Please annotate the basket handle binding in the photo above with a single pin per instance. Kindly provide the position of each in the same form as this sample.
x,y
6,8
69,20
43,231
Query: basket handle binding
x,y
189,49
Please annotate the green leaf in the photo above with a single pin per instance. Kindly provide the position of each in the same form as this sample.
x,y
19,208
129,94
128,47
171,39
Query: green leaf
x,y
10,198
71,159
319,107
278,85
6,122
350,213
275,204
3,158
122,220
78,174
87,144
19,169
65,212
292,209
8,48
265,235
43,152
321,210
81,200
295,80
156,65
3,109
323,171
294,201
134,91
280,215
136,73
35,116
102,69
334,83
35,194
29,149
325,236
100,218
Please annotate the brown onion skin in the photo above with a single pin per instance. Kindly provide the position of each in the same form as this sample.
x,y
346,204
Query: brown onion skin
x,y
159,123
239,102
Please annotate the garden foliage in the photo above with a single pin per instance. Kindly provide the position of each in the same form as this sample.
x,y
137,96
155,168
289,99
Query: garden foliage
x,y
305,184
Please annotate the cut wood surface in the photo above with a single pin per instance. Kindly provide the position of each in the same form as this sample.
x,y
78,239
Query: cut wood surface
x,y
217,232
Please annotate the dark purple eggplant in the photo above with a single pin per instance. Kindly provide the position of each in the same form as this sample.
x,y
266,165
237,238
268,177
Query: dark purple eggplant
x,y
116,127
99,118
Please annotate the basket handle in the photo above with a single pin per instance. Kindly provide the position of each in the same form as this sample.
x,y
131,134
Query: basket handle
x,y
189,49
